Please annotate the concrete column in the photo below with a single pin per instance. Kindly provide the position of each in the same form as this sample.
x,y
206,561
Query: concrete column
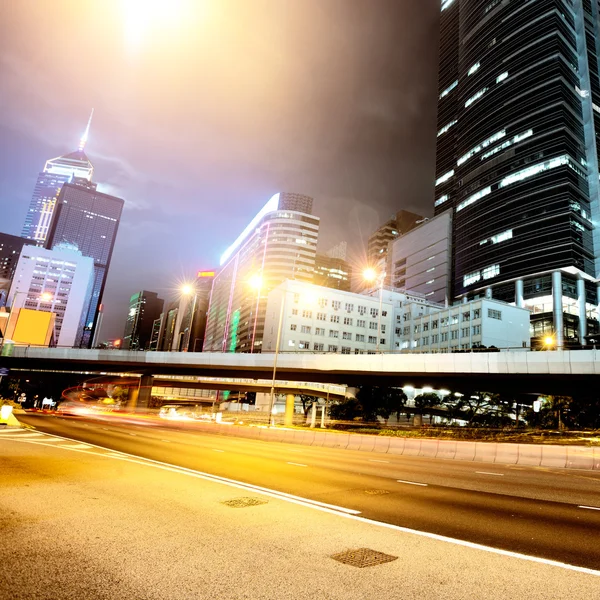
x,y
582,315
313,414
290,401
488,293
139,397
519,295
465,300
557,309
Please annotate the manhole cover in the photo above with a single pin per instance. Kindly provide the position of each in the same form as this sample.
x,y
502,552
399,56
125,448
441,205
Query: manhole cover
x,y
376,492
363,557
243,502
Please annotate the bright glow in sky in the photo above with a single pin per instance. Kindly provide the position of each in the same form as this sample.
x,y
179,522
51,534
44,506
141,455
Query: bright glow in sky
x,y
141,17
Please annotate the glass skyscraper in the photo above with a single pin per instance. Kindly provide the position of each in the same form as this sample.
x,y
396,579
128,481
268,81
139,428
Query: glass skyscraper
x,y
279,243
517,157
56,171
89,220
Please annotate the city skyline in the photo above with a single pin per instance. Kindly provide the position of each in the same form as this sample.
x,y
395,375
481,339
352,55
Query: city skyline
x,y
362,147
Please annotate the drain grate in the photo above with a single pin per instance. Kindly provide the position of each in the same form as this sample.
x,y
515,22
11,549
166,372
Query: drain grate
x,y
243,502
363,557
376,492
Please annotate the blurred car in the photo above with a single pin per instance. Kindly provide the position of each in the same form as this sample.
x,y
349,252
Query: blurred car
x,y
178,412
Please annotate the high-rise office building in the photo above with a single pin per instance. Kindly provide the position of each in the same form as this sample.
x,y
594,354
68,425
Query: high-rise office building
x,y
88,219
278,244
56,172
517,157
58,281
332,272
422,257
144,308
379,241
10,250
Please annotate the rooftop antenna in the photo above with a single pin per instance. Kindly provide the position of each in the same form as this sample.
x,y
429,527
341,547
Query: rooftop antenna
x,y
84,137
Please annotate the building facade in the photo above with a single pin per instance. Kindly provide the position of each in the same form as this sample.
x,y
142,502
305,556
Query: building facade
x,y
10,250
89,220
517,157
421,259
332,272
56,172
482,323
279,243
144,308
379,241
59,281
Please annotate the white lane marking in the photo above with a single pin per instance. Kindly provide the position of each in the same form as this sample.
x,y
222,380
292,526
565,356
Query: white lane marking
x,y
215,450
381,461
28,435
412,482
590,507
489,473
74,446
297,464
132,433
168,441
148,462
328,508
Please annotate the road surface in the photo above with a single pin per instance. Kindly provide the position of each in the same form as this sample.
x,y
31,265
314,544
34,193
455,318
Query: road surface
x,y
552,514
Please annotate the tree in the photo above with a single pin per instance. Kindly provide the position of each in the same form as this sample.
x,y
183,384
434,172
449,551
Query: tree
x,y
307,402
391,400
426,401
347,410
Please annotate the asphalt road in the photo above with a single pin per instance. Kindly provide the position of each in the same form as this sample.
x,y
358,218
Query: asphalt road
x,y
81,522
553,514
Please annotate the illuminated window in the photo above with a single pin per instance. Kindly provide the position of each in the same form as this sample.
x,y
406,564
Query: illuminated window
x,y
494,138
491,271
446,4
502,77
444,177
536,169
474,68
472,199
471,278
449,89
475,97
441,200
446,127
514,140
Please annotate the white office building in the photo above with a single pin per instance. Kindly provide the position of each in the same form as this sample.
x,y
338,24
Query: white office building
x,y
319,319
58,281
322,319
482,322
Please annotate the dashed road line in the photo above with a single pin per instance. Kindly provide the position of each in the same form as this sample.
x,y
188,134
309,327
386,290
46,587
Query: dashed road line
x,y
412,482
489,473
590,507
297,464
380,461
215,450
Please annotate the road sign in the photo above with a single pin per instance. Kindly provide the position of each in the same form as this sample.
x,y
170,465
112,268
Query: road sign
x,y
4,371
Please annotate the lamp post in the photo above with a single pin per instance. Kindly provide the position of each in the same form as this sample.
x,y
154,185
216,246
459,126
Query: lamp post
x,y
371,275
279,328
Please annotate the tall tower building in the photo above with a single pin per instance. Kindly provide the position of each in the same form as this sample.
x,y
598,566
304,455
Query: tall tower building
x,y
89,220
144,308
279,243
517,157
10,250
56,171
379,241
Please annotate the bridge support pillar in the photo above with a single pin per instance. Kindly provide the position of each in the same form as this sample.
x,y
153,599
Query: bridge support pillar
x,y
313,414
139,398
290,401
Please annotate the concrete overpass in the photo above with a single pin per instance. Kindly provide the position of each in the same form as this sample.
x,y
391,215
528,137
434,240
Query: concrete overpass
x,y
552,372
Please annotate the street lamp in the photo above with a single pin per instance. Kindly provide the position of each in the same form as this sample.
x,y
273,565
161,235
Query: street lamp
x,y
371,276
309,299
548,342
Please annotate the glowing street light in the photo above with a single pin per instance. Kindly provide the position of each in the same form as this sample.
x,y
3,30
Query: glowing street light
x,y
548,341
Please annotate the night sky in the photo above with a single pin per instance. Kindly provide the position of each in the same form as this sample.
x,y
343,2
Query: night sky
x,y
207,108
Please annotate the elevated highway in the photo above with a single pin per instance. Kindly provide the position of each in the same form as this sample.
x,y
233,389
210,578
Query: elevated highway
x,y
552,372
